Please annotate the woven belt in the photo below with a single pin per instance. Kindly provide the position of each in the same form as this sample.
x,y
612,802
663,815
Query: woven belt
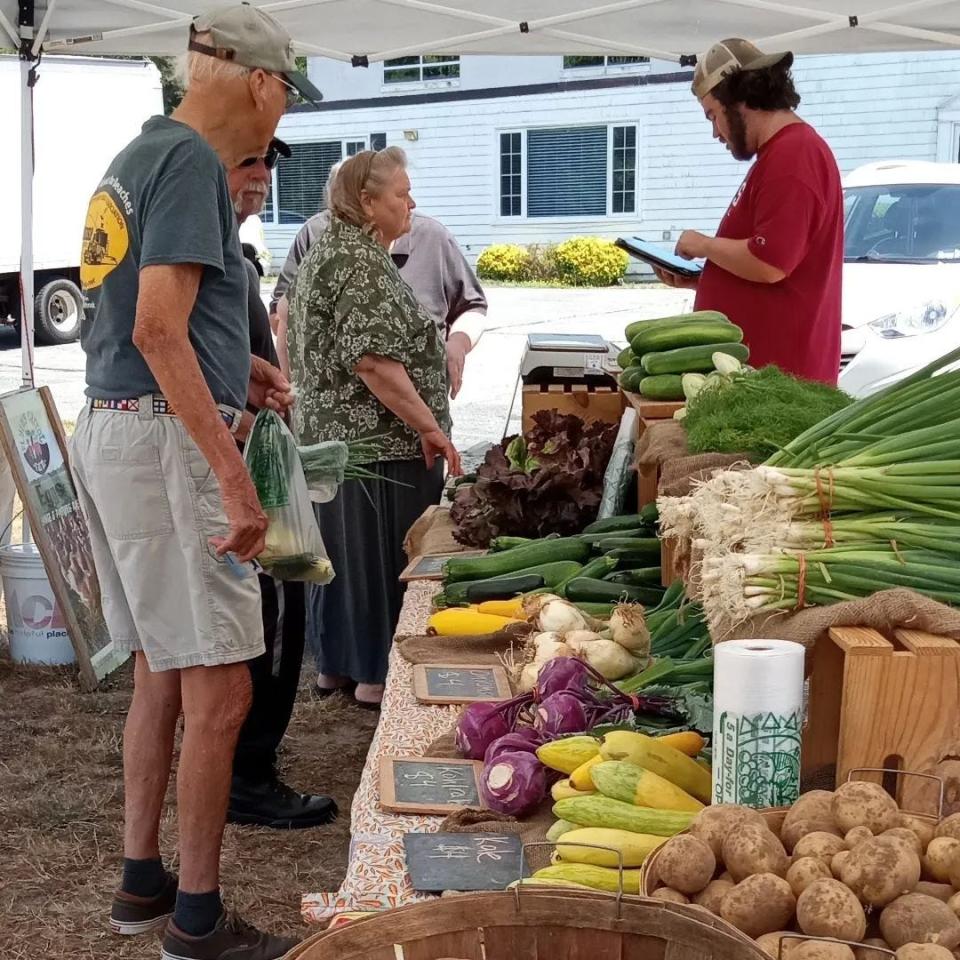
x,y
158,406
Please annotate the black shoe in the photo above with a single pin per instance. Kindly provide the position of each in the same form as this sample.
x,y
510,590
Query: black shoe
x,y
271,803
131,915
231,939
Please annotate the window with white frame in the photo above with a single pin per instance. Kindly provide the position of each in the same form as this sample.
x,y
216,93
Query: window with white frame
x,y
355,146
418,69
588,171
576,63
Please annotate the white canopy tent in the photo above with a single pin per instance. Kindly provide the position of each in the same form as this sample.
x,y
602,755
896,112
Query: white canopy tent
x,y
363,31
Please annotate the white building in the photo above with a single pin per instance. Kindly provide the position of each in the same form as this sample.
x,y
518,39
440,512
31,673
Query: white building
x,y
538,149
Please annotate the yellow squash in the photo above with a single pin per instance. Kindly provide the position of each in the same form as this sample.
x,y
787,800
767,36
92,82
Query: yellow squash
x,y
568,753
580,778
634,848
600,878
689,742
666,761
503,608
625,781
563,789
456,622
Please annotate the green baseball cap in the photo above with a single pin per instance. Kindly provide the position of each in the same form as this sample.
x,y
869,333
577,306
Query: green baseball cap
x,y
250,37
729,56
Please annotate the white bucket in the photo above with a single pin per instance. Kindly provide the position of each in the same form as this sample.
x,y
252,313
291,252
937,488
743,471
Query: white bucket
x,y
38,633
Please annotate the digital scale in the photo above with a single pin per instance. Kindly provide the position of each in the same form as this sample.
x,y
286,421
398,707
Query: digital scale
x,y
567,358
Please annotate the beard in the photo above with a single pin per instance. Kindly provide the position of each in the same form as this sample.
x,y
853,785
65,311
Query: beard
x,y
737,141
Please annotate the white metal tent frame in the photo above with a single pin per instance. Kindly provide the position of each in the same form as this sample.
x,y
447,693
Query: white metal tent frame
x,y
365,31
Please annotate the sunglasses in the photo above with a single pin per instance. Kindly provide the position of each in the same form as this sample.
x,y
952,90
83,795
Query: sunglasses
x,y
270,159
293,94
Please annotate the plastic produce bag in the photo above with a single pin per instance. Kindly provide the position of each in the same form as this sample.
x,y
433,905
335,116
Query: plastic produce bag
x,y
294,548
324,465
617,476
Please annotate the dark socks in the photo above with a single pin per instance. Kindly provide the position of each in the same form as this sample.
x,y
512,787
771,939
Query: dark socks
x,y
143,878
197,913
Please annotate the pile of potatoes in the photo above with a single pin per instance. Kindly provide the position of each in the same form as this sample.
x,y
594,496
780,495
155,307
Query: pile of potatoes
x,y
847,865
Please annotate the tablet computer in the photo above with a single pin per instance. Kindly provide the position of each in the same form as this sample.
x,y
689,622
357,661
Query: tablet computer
x,y
660,256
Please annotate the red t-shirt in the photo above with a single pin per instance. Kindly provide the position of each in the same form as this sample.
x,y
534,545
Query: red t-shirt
x,y
790,208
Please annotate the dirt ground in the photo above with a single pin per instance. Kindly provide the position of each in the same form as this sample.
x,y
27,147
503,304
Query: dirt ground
x,y
61,804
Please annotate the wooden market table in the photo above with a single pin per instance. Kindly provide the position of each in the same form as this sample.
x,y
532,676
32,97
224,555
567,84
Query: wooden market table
x,y
649,411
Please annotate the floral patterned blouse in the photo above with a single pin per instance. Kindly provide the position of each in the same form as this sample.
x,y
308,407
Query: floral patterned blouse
x,y
349,300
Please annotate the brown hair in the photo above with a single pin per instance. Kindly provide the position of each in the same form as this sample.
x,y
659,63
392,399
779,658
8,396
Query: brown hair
x,y
767,89
369,170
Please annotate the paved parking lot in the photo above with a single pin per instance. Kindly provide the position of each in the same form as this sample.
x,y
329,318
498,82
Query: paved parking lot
x,y
480,411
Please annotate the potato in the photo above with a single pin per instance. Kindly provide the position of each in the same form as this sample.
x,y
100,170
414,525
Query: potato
x,y
759,904
805,871
940,855
753,849
711,897
939,891
950,827
915,918
686,863
923,951
818,950
857,836
714,823
671,896
925,829
829,909
865,953
836,864
879,871
726,875
769,943
905,836
859,803
823,846
954,903
791,834
814,805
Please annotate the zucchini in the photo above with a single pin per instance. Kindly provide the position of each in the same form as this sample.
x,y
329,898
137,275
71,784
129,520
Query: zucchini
x,y
698,316
503,588
648,546
600,591
666,386
645,576
650,513
499,544
685,335
549,575
629,557
626,358
599,539
601,611
691,359
631,377
457,569
629,521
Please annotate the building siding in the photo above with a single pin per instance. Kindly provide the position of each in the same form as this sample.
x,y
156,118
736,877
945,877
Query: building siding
x,y
868,107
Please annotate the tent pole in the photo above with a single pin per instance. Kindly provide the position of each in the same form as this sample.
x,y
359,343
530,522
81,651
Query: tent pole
x,y
27,79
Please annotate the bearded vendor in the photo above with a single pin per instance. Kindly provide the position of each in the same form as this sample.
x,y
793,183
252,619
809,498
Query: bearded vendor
x,y
775,265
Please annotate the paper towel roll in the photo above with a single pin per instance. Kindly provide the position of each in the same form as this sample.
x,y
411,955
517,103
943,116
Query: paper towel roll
x,y
757,722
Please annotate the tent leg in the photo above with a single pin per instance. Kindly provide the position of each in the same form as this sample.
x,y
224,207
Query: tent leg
x,y
27,79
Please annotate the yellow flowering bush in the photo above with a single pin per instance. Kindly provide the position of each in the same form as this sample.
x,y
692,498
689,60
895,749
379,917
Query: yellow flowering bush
x,y
590,262
503,261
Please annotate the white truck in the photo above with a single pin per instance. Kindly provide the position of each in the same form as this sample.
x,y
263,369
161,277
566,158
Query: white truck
x,y
86,109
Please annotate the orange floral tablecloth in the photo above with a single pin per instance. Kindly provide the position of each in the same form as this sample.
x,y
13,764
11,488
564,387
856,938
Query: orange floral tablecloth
x,y
376,876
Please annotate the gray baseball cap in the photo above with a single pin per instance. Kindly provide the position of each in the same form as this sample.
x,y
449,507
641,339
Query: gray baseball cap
x,y
246,35
729,56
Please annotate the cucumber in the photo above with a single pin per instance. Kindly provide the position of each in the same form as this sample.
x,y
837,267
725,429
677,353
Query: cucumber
x,y
698,316
650,513
599,539
600,591
691,359
667,386
457,569
629,521
599,567
685,335
549,575
599,811
503,588
648,547
626,358
631,377
645,576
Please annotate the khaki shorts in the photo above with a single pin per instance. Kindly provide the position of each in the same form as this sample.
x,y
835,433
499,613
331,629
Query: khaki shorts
x,y
152,504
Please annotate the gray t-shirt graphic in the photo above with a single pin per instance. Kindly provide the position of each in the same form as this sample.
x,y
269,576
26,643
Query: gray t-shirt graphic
x,y
164,200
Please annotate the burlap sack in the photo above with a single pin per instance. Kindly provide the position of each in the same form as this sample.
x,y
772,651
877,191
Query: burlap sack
x,y
680,475
487,648
884,611
432,532
662,440
532,829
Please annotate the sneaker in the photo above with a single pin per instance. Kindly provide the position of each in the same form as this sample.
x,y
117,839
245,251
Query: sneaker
x,y
131,915
231,939
271,803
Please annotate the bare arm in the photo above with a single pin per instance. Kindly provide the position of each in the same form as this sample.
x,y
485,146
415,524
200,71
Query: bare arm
x,y
734,256
390,383
282,315
166,298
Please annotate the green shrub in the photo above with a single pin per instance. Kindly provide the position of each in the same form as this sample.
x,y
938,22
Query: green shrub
x,y
590,262
543,265
503,261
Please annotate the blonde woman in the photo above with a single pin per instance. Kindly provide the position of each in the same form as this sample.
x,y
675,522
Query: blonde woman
x,y
369,364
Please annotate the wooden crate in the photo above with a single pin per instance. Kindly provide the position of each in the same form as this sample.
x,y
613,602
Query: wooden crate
x,y
584,400
885,702
649,411
534,924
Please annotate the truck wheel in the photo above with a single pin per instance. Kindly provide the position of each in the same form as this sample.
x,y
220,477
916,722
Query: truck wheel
x,y
58,310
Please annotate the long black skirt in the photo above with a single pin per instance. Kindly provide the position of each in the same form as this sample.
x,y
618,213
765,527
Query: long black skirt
x,y
351,621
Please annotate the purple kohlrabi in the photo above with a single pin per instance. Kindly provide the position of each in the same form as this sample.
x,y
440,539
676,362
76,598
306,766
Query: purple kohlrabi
x,y
514,783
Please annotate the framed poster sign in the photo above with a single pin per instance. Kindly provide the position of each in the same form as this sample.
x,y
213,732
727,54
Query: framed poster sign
x,y
36,449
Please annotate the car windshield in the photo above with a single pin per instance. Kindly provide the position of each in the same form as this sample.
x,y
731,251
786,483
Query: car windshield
x,y
910,223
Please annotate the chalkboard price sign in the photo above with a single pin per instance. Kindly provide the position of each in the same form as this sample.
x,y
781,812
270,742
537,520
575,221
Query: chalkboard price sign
x,y
429,786
459,683
463,861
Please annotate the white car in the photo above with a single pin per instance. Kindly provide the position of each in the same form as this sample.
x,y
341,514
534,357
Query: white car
x,y
901,271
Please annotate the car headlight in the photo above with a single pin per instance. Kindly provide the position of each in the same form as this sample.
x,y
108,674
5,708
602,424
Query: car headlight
x,y
925,318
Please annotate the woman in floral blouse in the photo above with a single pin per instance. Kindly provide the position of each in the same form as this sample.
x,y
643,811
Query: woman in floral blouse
x,y
369,364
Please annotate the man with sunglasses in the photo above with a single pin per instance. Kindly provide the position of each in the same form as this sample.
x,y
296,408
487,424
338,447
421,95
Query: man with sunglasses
x,y
257,796
173,515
